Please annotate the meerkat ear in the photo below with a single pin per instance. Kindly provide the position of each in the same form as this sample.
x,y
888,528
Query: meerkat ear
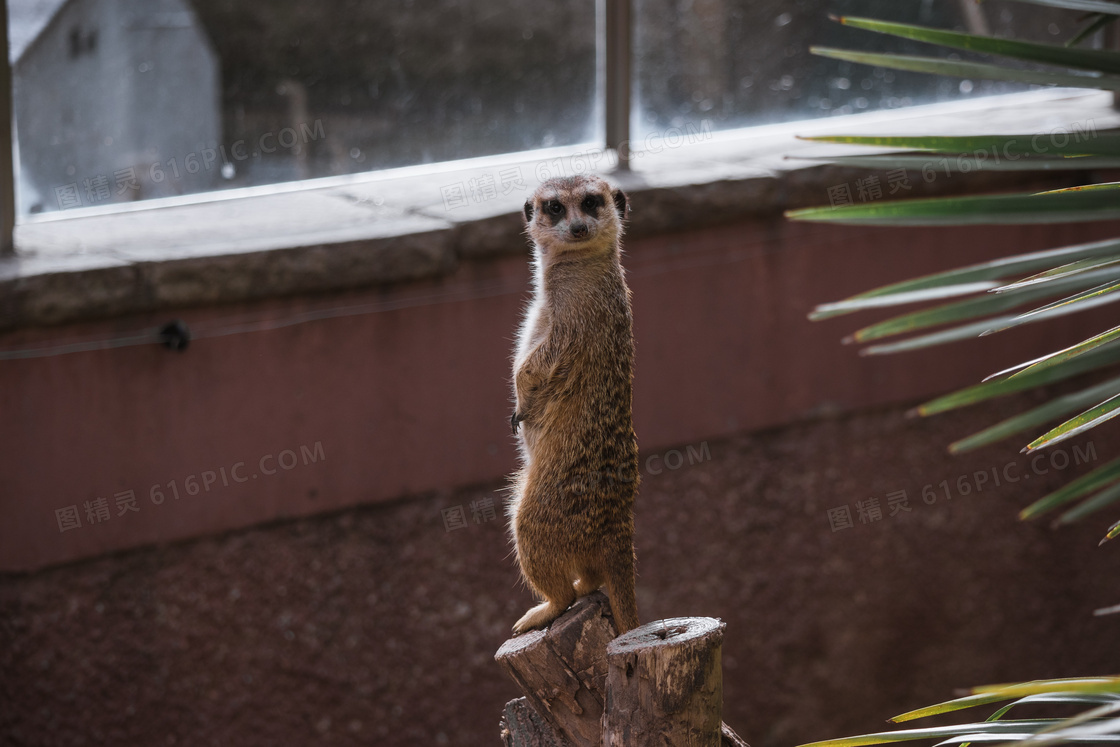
x,y
528,211
621,204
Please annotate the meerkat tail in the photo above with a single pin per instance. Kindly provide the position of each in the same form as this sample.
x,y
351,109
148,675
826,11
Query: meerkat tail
x,y
620,589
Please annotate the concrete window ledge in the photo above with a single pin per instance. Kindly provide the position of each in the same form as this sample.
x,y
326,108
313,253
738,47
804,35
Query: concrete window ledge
x,y
422,222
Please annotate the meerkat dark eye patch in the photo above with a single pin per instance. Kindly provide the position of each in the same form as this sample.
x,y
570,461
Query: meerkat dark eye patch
x,y
591,205
554,209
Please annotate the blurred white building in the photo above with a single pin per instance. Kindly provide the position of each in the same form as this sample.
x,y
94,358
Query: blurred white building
x,y
114,100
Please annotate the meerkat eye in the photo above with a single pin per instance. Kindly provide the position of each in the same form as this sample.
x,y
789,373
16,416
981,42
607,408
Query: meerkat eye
x,y
554,207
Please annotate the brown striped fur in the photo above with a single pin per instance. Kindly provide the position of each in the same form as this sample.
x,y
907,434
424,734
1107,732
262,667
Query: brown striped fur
x,y
571,513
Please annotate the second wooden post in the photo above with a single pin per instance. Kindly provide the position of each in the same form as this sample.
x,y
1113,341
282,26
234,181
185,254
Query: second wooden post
x,y
665,685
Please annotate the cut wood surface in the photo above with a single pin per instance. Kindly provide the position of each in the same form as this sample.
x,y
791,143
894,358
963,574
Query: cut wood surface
x,y
665,685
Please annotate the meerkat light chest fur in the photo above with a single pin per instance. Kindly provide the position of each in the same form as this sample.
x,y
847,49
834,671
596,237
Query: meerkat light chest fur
x,y
571,513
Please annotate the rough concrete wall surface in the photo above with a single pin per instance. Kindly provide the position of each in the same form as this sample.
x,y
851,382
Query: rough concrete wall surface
x,y
377,624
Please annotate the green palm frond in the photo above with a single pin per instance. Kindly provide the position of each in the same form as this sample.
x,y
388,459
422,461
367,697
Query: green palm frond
x,y
986,298
1096,724
992,296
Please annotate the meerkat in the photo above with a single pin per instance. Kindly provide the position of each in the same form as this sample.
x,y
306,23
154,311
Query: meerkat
x,y
571,513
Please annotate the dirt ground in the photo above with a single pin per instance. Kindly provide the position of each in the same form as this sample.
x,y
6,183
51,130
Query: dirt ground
x,y
378,625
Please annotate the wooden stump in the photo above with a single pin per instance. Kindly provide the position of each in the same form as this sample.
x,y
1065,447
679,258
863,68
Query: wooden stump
x,y
665,685
563,673
522,727
563,670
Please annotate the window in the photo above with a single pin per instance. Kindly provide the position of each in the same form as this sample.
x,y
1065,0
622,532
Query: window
x,y
118,101
194,96
738,63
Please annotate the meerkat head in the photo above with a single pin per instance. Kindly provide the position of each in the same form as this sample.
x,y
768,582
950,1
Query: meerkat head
x,y
575,214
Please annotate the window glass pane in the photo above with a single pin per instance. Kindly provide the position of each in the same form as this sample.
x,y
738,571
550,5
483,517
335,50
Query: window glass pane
x,y
121,100
720,64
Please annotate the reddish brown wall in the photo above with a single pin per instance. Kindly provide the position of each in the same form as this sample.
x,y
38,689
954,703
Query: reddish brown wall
x,y
414,396
376,626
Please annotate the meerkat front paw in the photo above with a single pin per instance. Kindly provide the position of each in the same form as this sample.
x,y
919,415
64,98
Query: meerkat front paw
x,y
515,421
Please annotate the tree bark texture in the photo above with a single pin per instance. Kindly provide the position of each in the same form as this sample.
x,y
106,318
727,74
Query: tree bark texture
x,y
562,670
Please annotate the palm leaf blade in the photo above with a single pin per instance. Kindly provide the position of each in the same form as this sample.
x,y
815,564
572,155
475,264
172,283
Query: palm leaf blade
x,y
1077,142
1073,351
963,69
990,303
1001,209
1098,23
1008,385
1099,478
1083,301
1091,418
1078,698
864,302
1049,54
1071,268
966,163
1092,6
920,342
1106,497
1070,687
986,272
1037,416
936,732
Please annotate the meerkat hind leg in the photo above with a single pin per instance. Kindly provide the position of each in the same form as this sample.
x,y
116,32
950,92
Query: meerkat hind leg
x,y
538,617
588,582
558,596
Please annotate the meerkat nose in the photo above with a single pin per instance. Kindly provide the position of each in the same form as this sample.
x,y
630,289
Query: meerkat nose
x,y
579,230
